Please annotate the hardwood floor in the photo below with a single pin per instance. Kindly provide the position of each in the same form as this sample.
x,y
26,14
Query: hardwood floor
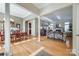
x,y
30,46
55,47
24,48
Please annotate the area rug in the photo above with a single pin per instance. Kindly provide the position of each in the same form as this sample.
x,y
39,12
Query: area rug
x,y
43,53
1,54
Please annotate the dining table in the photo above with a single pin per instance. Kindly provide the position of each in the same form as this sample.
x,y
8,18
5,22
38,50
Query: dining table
x,y
16,36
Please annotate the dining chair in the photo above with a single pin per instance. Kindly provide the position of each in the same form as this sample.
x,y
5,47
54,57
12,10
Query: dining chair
x,y
17,37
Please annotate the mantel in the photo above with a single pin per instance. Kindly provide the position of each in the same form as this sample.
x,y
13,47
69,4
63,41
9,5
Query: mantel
x,y
77,35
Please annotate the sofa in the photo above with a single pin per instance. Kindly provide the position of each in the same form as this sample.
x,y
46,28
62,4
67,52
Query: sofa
x,y
55,35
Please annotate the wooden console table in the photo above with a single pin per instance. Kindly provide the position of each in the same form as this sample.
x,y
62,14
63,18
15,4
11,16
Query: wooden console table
x,y
69,40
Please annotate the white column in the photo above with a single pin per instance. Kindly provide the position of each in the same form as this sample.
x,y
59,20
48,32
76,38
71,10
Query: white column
x,y
75,29
23,25
7,47
39,28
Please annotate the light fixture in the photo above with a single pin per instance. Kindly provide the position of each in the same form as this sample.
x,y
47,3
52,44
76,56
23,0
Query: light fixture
x,y
58,17
10,20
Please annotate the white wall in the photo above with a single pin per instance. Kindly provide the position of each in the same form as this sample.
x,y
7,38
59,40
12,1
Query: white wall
x,y
36,26
16,19
1,26
33,27
24,24
1,19
1,16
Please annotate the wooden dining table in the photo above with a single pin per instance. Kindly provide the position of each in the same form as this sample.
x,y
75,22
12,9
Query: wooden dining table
x,y
14,36
2,37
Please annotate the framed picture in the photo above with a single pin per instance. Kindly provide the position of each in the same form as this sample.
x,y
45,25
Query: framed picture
x,y
18,26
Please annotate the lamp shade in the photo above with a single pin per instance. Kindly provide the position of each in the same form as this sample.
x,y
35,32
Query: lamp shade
x,y
10,19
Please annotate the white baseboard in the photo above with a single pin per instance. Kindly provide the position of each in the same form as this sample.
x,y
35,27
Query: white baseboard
x,y
33,54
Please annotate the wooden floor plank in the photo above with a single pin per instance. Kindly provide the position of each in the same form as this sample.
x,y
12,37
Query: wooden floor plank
x,y
55,47
28,47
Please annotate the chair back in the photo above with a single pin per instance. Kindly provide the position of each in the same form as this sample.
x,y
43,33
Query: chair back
x,y
0,33
17,33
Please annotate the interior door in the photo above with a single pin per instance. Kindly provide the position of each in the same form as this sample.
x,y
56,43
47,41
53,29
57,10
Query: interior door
x,y
29,28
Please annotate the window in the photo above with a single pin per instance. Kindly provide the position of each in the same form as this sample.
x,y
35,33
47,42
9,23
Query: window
x,y
67,26
51,26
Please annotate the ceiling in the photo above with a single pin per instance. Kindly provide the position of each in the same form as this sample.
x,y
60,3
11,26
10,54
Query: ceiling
x,y
15,10
41,5
63,14
22,12
45,19
63,11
